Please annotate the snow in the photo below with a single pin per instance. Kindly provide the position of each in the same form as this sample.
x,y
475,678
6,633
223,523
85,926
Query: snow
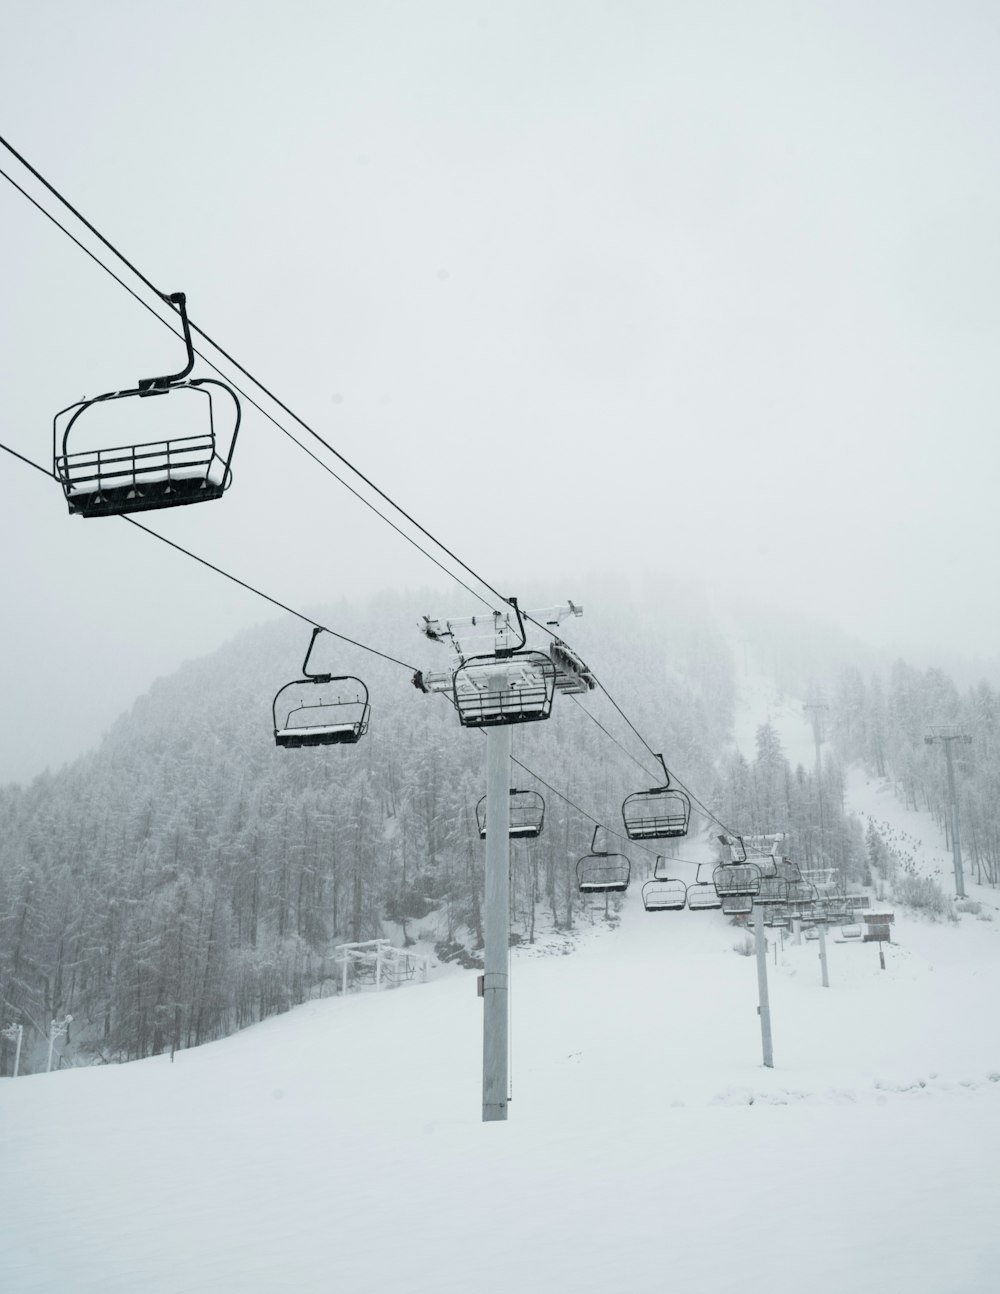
x,y
647,1149
760,701
342,1142
315,729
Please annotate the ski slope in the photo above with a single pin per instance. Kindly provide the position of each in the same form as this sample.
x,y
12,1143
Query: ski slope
x,y
646,1149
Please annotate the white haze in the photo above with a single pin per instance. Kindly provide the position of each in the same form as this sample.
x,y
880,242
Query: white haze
x,y
642,289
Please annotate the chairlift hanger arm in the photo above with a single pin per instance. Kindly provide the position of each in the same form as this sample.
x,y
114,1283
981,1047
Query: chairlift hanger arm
x,y
506,649
154,385
316,678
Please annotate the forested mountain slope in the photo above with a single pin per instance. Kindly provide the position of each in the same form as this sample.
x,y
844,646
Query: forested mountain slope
x,y
187,877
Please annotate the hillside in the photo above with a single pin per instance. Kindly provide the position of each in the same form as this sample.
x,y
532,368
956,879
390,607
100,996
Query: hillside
x,y
187,878
646,1148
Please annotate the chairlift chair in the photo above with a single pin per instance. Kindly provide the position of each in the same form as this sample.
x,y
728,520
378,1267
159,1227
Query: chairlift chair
x,y
510,686
658,813
737,880
702,896
166,473
601,872
772,891
573,675
737,905
776,916
336,714
788,870
666,895
801,898
527,815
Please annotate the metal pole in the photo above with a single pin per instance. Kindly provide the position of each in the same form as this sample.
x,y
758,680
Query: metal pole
x,y
496,923
813,709
946,739
821,927
14,1033
956,843
764,1008
52,1043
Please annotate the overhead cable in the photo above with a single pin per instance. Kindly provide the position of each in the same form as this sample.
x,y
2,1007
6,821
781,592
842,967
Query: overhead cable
x,y
163,297
246,373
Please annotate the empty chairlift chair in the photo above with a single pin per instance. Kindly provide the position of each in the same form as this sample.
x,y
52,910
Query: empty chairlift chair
x,y
736,885
771,892
320,709
736,880
834,910
511,686
189,462
787,870
702,895
658,813
772,896
800,897
600,872
527,815
664,895
737,905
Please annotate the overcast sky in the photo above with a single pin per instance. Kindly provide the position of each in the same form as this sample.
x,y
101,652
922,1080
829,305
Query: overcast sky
x,y
699,288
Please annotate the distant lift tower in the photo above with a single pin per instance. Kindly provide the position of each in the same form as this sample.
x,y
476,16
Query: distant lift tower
x,y
947,737
493,685
815,709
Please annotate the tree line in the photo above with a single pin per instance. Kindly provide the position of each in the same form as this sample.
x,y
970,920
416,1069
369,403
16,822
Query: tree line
x,y
883,722
187,878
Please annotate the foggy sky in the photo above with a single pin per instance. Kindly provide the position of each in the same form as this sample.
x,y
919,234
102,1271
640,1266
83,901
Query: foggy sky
x,y
700,289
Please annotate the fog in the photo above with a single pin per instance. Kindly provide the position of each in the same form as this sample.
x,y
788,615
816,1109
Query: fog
x,y
642,290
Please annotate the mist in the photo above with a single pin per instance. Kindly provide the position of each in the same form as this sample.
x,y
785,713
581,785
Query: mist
x,y
635,293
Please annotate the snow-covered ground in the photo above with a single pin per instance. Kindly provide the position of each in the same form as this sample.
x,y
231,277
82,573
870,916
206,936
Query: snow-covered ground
x,y
913,836
759,701
646,1150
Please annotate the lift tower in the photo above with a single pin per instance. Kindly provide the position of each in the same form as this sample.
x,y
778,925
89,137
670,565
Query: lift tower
x,y
814,709
947,736
495,684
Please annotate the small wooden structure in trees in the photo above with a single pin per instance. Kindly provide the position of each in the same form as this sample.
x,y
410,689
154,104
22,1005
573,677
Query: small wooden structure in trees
x,y
379,963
